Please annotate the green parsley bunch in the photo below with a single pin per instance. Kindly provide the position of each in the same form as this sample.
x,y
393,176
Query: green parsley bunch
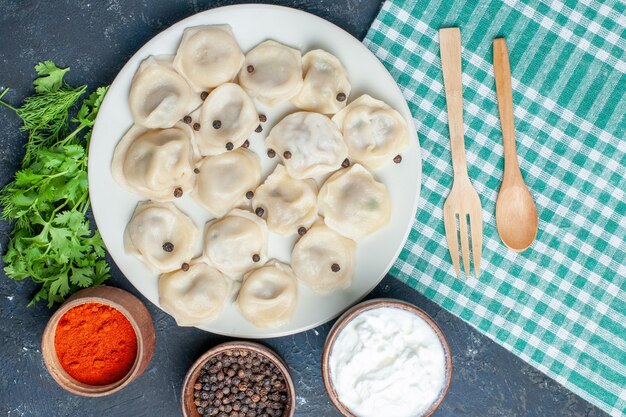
x,y
51,241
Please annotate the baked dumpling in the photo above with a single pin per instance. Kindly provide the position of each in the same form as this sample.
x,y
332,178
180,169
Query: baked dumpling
x,y
236,243
353,203
224,181
208,56
288,204
155,163
326,87
161,236
323,259
272,73
226,119
268,295
374,132
194,296
160,96
309,144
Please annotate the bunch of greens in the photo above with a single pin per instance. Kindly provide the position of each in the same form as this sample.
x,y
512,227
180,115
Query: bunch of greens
x,y
51,241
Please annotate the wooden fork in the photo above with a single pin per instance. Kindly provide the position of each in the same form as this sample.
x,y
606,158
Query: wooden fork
x,y
463,202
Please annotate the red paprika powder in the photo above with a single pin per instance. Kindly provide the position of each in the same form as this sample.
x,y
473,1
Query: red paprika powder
x,y
95,343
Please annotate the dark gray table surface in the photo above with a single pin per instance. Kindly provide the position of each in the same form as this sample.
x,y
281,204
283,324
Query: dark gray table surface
x,y
96,38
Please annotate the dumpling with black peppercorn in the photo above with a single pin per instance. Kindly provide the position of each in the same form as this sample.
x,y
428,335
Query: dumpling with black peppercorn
x,y
326,87
308,143
236,243
289,204
272,73
323,259
208,56
159,96
375,133
195,294
161,236
353,203
268,295
155,163
227,181
226,119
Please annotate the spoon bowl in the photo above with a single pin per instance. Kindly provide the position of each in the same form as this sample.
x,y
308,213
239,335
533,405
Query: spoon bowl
x,y
516,217
516,213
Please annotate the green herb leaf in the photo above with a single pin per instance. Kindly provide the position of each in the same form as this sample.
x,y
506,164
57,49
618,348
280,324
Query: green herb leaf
x,y
51,242
52,77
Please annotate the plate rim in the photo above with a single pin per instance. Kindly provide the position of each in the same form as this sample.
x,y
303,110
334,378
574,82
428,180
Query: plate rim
x,y
272,333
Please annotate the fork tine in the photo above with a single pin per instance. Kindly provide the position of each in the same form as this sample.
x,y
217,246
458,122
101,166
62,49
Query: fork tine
x,y
449,222
465,243
476,223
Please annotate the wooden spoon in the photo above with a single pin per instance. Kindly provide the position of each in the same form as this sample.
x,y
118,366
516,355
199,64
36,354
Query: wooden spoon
x,y
516,214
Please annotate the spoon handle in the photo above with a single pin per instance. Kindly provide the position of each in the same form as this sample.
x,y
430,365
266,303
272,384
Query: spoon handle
x,y
502,71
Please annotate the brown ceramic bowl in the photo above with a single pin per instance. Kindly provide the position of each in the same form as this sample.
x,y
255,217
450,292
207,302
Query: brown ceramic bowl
x,y
187,402
372,305
127,304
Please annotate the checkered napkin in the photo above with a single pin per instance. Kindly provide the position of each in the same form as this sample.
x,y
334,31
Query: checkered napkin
x,y
560,305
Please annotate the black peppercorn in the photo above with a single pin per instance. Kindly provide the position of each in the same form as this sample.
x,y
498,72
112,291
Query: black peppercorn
x,y
259,211
249,385
196,126
341,97
302,230
258,129
287,155
187,119
178,192
271,153
168,246
250,69
185,267
249,195
397,159
245,144
345,163
196,171
229,146
335,267
256,258
204,95
262,118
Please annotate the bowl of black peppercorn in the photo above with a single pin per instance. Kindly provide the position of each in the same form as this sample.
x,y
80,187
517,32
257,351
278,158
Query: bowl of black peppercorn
x,y
238,379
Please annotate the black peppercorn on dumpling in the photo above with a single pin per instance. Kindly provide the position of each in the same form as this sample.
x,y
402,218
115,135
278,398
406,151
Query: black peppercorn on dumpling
x,y
155,163
159,96
326,87
353,203
194,296
224,121
161,236
309,144
272,73
208,56
224,180
288,203
374,132
236,243
268,295
323,259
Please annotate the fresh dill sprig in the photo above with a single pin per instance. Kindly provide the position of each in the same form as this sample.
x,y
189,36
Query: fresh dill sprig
x,y
51,241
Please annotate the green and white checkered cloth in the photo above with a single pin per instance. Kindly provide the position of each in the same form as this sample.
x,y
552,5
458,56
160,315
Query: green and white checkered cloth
x,y
561,305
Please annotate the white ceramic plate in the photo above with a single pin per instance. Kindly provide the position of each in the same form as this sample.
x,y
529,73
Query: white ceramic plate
x,y
113,206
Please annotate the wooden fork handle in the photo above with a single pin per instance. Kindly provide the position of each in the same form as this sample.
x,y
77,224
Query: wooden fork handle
x,y
450,47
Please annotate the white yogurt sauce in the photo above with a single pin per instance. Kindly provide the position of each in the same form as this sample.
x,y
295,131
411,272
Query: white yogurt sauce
x,y
387,362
